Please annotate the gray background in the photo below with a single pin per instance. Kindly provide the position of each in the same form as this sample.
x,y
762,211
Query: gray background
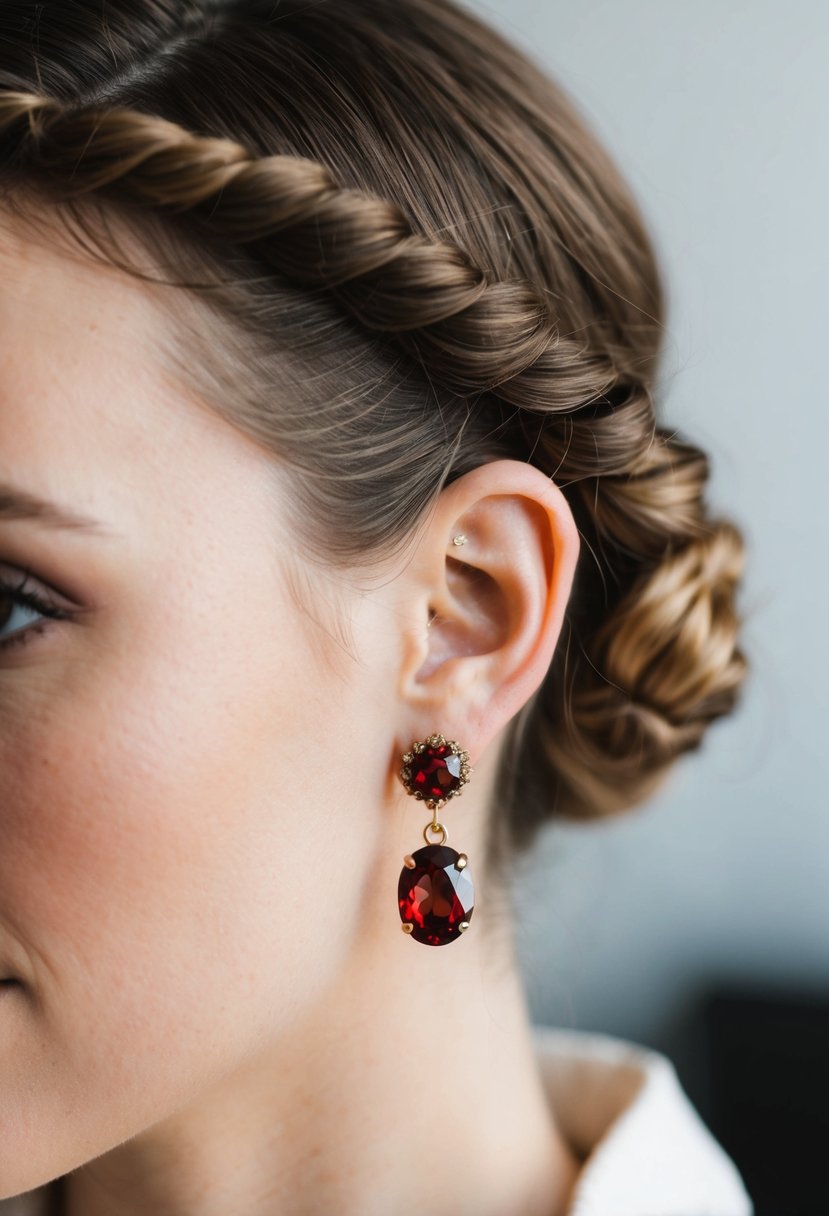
x,y
717,114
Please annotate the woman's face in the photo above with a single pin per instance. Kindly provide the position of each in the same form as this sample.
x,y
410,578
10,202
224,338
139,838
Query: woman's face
x,y
179,798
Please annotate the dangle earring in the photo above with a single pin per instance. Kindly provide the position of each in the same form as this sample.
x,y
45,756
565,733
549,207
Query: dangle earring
x,y
435,895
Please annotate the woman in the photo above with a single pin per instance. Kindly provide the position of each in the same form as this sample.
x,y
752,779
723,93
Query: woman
x,y
341,550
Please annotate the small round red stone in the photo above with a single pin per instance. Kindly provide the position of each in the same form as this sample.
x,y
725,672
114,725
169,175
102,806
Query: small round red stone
x,y
434,770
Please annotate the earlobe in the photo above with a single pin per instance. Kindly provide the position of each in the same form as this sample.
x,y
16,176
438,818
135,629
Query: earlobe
x,y
493,605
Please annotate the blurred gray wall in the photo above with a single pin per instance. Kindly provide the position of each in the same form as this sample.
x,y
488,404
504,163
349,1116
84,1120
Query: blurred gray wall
x,y
718,113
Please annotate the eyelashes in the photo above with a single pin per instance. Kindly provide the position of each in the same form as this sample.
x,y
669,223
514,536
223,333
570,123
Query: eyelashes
x,y
31,600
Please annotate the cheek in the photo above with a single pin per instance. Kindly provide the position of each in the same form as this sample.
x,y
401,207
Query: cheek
x,y
163,876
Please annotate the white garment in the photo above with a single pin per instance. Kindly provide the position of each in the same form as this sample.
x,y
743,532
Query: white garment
x,y
646,1150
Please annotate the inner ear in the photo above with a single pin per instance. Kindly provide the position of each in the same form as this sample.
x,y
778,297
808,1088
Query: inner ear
x,y
474,618
476,596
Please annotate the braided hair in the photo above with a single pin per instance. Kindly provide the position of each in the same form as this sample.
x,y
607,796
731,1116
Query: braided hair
x,y
397,252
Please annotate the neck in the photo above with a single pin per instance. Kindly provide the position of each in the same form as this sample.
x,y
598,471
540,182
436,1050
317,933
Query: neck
x,y
413,1086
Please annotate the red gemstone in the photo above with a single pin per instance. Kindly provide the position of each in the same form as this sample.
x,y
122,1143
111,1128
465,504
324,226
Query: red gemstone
x,y
435,896
436,771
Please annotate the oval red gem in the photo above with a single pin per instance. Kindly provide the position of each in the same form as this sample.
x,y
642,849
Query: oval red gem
x,y
435,896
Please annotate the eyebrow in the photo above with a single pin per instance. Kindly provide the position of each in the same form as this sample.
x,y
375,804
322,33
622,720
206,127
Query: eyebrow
x,y
19,504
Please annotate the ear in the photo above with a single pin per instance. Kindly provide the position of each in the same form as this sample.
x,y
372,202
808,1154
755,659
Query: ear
x,y
487,613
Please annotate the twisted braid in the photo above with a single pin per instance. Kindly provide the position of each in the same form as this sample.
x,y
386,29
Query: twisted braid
x,y
649,655
472,334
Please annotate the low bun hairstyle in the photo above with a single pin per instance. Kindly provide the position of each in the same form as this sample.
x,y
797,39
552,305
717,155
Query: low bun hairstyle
x,y
396,252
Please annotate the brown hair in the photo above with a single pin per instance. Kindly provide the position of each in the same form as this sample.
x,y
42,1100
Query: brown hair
x,y
407,255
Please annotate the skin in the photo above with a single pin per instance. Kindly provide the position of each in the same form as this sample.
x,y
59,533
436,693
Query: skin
x,y
201,823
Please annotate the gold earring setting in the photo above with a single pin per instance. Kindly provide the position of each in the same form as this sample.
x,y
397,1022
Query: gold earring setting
x,y
435,894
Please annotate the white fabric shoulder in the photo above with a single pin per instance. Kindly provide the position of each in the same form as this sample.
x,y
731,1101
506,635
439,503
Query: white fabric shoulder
x,y
647,1150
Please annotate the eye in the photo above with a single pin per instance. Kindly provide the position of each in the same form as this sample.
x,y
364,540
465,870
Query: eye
x,y
16,604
